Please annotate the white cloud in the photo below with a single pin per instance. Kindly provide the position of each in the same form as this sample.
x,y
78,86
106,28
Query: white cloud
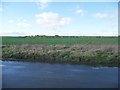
x,y
43,4
102,15
23,24
11,33
52,20
11,21
44,1
81,12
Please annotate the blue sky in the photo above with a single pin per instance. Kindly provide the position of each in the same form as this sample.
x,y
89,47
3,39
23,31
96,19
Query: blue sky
x,y
59,18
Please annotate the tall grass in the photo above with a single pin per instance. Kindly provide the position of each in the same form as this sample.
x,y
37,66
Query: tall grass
x,y
93,54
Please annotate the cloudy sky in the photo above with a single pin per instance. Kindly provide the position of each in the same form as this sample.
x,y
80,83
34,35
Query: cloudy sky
x,y
59,18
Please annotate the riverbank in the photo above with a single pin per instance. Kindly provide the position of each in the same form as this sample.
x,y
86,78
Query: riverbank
x,y
90,54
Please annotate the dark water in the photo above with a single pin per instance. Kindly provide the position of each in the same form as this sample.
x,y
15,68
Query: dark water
x,y
39,75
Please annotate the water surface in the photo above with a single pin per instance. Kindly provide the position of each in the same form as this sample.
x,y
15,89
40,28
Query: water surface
x,y
41,75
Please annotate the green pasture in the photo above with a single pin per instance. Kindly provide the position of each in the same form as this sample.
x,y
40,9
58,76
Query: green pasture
x,y
67,40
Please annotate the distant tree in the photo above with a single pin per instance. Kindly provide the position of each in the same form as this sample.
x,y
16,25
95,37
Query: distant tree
x,y
25,36
43,35
56,35
37,35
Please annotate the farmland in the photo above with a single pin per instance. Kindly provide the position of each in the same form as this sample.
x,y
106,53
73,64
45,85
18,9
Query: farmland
x,y
59,49
58,40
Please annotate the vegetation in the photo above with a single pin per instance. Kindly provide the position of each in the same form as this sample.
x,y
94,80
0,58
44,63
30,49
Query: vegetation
x,y
92,54
62,49
66,40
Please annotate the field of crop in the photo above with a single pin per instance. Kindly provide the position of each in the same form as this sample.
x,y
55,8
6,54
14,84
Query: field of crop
x,y
58,40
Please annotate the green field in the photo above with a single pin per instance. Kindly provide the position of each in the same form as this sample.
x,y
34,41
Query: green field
x,y
58,40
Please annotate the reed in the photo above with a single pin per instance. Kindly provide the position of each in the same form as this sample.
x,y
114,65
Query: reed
x,y
91,54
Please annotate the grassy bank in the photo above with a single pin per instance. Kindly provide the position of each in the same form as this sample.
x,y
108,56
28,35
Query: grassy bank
x,y
91,54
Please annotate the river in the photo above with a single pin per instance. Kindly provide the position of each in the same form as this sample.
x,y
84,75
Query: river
x,y
44,75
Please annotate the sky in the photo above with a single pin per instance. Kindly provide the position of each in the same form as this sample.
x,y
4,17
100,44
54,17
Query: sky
x,y
59,18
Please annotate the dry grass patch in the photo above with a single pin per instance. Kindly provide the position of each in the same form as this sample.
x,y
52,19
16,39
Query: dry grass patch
x,y
96,54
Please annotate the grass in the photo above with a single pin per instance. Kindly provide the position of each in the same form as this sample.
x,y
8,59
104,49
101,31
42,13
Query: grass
x,y
91,50
58,40
91,54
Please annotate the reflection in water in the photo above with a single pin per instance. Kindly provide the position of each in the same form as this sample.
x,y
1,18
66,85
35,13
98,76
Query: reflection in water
x,y
39,75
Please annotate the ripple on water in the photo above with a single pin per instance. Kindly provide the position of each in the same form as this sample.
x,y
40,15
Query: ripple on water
x,y
2,65
95,68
